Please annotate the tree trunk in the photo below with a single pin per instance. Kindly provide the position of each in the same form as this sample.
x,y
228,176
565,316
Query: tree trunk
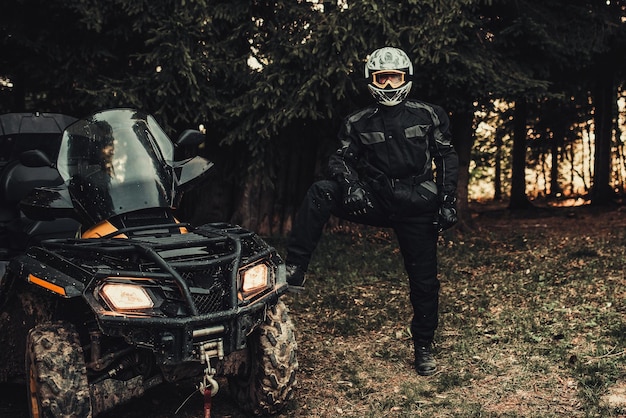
x,y
519,200
19,93
555,149
270,197
604,97
463,139
497,182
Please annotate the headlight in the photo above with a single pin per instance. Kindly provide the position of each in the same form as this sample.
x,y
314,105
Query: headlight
x,y
255,278
122,296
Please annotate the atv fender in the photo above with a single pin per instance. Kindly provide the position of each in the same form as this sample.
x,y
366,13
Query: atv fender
x,y
33,271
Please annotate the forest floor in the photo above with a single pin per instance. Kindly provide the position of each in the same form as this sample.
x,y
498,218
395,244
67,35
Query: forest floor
x,y
532,323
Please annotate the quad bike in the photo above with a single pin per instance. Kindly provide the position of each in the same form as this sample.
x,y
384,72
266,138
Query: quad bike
x,y
105,294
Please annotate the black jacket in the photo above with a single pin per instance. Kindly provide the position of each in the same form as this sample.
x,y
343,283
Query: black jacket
x,y
397,143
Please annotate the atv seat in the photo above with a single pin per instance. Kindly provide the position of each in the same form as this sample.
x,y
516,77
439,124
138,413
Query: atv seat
x,y
16,230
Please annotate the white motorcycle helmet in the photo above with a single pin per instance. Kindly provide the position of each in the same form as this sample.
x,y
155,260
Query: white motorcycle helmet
x,y
388,71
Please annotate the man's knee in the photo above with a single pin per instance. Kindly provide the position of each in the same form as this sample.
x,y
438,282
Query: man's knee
x,y
323,193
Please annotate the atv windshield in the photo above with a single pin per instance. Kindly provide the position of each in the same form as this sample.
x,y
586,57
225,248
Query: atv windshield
x,y
115,162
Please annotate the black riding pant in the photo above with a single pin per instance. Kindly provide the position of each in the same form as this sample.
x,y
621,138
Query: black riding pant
x,y
417,238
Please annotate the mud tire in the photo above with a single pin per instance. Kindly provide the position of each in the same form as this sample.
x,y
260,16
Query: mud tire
x,y
57,378
273,366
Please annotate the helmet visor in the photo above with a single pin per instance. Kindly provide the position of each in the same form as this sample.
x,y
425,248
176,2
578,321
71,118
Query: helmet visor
x,y
384,78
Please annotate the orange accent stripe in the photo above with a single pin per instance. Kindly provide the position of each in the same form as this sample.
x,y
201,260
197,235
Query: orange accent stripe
x,y
182,230
46,285
101,229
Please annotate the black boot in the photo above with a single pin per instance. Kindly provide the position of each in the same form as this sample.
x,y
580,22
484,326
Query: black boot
x,y
295,278
425,364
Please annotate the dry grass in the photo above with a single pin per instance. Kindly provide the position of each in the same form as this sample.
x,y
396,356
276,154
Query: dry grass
x,y
532,324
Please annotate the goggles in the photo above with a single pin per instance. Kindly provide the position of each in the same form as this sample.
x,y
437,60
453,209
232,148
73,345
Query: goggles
x,y
384,78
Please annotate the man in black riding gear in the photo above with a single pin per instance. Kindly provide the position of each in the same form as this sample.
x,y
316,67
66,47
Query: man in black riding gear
x,y
382,175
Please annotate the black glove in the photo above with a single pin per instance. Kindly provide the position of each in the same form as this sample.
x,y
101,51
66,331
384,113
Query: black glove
x,y
447,217
356,200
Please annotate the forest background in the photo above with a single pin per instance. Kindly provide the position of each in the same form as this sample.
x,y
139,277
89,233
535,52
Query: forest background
x,y
535,89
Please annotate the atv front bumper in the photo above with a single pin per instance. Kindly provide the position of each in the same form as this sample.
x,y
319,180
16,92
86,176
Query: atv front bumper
x,y
178,340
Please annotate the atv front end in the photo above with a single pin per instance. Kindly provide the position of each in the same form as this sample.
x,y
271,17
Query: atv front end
x,y
174,303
